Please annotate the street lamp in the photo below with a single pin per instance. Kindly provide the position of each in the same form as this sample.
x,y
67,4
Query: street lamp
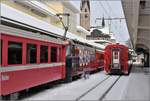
x,y
59,15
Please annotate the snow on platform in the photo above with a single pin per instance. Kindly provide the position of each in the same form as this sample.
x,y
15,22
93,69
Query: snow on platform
x,y
138,87
135,87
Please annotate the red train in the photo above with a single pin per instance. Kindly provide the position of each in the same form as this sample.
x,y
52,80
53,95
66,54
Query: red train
x,y
31,59
116,59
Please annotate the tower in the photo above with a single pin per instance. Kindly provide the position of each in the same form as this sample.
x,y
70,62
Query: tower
x,y
85,14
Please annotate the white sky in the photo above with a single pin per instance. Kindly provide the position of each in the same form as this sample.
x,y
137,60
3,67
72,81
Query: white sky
x,y
112,8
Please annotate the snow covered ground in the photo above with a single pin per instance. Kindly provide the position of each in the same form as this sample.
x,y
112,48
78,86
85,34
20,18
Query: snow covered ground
x,y
136,86
69,91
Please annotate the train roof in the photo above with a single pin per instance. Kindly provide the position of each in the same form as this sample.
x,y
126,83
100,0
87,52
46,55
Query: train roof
x,y
28,21
116,45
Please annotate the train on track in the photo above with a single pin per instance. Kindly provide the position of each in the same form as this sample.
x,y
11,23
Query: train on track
x,y
30,59
117,59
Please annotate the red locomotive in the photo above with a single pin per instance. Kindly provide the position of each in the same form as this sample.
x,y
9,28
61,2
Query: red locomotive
x,y
30,59
116,59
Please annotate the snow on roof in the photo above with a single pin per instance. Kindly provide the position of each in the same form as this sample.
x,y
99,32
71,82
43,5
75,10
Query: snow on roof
x,y
80,28
11,13
105,41
105,30
112,36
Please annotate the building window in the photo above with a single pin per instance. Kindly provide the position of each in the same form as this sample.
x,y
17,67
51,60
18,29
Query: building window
x,y
14,53
43,54
53,54
143,4
85,10
31,53
86,15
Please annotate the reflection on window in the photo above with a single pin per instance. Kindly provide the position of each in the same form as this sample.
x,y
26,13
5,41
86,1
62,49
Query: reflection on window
x,y
1,51
31,53
43,54
115,55
53,54
14,53
73,51
68,51
59,54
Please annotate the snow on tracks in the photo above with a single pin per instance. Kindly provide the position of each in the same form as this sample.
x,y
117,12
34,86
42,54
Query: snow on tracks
x,y
100,90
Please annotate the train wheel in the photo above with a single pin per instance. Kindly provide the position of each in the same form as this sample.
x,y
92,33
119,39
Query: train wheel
x,y
14,96
4,98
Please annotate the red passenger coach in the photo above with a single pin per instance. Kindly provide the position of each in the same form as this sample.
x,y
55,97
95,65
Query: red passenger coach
x,y
29,60
116,59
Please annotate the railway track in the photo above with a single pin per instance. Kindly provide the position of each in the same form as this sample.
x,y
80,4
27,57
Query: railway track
x,y
100,90
97,91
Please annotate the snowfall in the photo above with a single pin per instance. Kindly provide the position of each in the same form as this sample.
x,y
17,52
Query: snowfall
x,y
136,86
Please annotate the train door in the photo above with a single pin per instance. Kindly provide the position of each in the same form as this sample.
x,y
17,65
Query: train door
x,y
71,62
115,59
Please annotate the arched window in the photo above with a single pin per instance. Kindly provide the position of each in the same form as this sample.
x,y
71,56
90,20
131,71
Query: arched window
x,y
85,10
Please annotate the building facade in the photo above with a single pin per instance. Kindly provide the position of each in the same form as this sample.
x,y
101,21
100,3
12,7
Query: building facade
x,y
46,10
101,36
137,13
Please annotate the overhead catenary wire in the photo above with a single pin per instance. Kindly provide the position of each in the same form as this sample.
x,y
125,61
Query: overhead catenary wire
x,y
109,17
107,1
106,12
114,13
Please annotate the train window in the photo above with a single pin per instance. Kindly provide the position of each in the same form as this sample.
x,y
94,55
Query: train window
x,y
31,53
43,54
77,51
68,52
102,57
53,54
1,51
14,53
73,51
59,54
115,55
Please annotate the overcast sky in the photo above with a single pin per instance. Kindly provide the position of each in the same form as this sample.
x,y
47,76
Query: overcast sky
x,y
108,8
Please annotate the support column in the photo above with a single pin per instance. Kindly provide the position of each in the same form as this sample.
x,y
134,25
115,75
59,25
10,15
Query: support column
x,y
146,58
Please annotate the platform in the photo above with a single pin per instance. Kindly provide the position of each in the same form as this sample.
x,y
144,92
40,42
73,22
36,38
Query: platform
x,y
135,87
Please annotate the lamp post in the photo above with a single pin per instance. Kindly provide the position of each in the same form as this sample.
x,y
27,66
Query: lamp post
x,y
59,15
